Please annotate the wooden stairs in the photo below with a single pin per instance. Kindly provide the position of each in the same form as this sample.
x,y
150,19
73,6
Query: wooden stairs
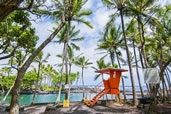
x,y
95,99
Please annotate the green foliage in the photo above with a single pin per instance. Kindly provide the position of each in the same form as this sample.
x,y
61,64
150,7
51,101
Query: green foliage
x,y
111,42
82,62
29,80
16,33
8,81
72,77
47,88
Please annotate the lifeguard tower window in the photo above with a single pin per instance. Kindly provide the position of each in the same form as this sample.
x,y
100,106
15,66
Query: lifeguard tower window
x,y
114,75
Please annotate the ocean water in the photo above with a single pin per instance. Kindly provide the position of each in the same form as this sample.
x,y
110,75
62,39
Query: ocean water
x,y
26,99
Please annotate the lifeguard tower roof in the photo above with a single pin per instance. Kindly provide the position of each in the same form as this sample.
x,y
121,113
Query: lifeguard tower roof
x,y
108,70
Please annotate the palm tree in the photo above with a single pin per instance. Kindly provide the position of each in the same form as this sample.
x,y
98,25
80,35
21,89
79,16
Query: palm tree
x,y
132,33
83,63
100,65
61,14
120,5
40,60
68,34
68,40
143,11
111,42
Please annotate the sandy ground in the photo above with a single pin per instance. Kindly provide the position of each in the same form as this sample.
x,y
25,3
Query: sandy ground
x,y
80,108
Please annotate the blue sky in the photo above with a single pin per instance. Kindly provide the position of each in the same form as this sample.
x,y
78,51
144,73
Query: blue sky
x,y
98,19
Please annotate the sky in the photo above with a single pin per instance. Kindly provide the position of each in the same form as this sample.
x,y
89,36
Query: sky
x,y
99,18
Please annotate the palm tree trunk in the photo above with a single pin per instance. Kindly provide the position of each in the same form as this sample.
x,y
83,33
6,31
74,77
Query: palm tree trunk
x,y
123,84
37,83
60,85
129,64
14,106
67,75
112,58
140,55
83,82
142,39
138,76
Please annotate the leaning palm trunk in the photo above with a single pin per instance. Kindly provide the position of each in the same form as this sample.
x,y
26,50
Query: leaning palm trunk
x,y
129,64
142,40
37,84
138,76
123,84
60,85
5,97
14,105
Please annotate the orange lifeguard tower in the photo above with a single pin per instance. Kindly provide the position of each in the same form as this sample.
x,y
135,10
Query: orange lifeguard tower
x,y
111,86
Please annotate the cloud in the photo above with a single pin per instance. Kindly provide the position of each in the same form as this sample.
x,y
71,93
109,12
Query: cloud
x,y
99,18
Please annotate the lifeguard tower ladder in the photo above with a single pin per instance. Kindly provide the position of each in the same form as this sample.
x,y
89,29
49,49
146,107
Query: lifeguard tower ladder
x,y
111,86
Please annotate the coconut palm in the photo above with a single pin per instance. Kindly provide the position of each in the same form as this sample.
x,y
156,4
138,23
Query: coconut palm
x,y
111,42
40,60
83,63
132,33
63,11
143,11
68,40
120,5
100,65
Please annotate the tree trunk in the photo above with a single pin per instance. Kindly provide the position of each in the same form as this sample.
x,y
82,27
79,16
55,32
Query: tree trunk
x,y
129,63
83,83
7,7
112,58
141,60
142,40
138,76
67,75
14,106
5,97
123,84
37,83
60,85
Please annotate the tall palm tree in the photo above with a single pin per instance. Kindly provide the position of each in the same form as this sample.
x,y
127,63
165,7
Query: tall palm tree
x,y
68,38
120,5
143,11
83,63
132,34
111,42
40,60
